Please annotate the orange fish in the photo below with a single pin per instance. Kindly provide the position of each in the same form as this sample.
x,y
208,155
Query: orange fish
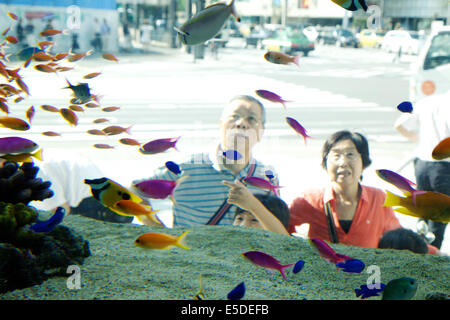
x,y
129,142
44,44
41,56
11,39
51,134
12,16
154,240
44,68
18,99
131,208
429,205
69,116
100,120
78,56
92,75
63,69
14,73
4,107
96,132
30,113
9,89
22,86
27,62
52,32
6,31
102,146
76,108
281,58
109,56
442,150
60,56
113,130
110,109
14,123
91,105
46,107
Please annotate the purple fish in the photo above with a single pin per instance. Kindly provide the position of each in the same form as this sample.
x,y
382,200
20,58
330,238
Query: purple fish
x,y
17,145
374,291
232,155
173,167
351,265
237,293
261,183
273,97
269,174
159,145
297,127
326,252
298,266
266,261
50,224
405,106
158,189
400,182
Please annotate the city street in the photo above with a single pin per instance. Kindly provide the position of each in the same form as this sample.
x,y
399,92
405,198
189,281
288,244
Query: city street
x,y
165,93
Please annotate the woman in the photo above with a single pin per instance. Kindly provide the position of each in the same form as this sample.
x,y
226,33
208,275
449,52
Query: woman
x,y
357,214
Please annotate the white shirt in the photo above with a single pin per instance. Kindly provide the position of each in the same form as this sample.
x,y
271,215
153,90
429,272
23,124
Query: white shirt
x,y
431,121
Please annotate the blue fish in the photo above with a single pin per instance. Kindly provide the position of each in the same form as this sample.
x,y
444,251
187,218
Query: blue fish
x,y
81,91
269,174
27,52
365,292
232,155
237,293
298,266
50,224
173,167
351,265
405,106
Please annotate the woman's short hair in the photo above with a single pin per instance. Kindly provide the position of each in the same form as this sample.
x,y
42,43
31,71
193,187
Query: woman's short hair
x,y
360,142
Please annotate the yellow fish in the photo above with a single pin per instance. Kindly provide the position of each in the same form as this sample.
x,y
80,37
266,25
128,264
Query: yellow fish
x,y
131,208
154,240
23,157
429,205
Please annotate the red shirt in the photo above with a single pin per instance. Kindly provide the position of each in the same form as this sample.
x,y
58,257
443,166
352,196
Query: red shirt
x,y
370,222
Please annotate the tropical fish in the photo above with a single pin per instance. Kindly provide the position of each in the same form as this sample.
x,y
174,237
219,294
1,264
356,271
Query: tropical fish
x,y
131,208
92,105
266,261
22,85
76,108
81,91
96,132
17,145
159,145
42,56
159,189
69,116
273,97
237,293
23,157
11,39
269,174
281,58
154,240
109,56
100,120
18,99
365,292
113,130
352,5
49,108
429,205
13,123
91,75
78,56
51,134
52,32
173,167
44,68
232,155
60,56
298,266
400,289
326,252
400,182
110,109
63,69
50,224
103,146
261,183
206,24
13,16
109,192
405,106
294,124
5,32
442,150
129,142
351,265
4,107
43,44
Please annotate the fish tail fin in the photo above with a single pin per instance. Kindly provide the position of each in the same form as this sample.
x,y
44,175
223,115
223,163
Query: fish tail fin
x,y
296,60
38,154
391,200
66,32
128,130
181,240
175,143
284,267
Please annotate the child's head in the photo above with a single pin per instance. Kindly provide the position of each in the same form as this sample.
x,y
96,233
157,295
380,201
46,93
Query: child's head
x,y
273,203
403,239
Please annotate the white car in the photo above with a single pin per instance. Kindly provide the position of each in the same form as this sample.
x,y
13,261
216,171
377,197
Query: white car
x,y
431,71
409,41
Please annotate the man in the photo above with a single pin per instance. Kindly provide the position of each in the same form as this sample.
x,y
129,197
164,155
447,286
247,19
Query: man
x,y
202,198
428,125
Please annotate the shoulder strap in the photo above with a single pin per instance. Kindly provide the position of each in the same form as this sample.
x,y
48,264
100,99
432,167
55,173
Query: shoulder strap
x,y
225,207
330,222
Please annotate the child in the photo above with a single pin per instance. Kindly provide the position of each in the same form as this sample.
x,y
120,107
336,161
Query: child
x,y
274,204
405,239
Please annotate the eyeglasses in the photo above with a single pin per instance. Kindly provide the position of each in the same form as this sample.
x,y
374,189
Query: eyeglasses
x,y
336,156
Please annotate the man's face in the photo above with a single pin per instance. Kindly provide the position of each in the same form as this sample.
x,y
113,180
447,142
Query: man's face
x,y
241,126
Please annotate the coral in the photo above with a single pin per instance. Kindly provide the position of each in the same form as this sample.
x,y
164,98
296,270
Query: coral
x,y
18,184
13,219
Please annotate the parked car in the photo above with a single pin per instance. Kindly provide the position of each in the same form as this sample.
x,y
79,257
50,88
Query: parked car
x,y
311,32
289,41
255,37
431,71
339,37
371,38
409,41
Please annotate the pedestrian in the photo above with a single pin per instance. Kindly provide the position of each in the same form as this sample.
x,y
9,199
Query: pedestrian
x,y
345,211
398,55
276,206
97,41
105,32
427,125
29,33
202,198
126,37
146,32
20,32
75,45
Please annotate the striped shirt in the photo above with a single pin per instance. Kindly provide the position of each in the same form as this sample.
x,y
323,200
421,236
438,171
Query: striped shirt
x,y
199,197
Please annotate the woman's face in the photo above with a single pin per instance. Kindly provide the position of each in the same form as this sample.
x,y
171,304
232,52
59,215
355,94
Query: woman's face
x,y
344,163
